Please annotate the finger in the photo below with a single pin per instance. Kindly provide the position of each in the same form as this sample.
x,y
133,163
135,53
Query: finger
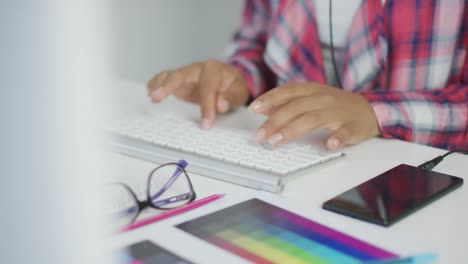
x,y
227,80
283,116
172,82
343,136
155,82
281,95
188,92
175,80
233,97
272,110
314,102
210,81
298,127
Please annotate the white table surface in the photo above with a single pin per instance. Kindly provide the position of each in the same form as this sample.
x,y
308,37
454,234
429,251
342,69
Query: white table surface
x,y
441,227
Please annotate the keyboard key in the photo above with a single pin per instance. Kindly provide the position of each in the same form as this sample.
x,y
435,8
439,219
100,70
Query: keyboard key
x,y
279,170
263,166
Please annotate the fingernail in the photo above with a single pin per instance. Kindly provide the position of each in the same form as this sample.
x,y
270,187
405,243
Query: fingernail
x,y
223,105
205,124
255,106
276,138
333,143
260,135
156,95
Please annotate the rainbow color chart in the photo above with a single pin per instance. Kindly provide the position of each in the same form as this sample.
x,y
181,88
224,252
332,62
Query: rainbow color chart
x,y
263,233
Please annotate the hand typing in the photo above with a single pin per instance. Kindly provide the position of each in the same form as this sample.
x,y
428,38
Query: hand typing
x,y
297,108
215,86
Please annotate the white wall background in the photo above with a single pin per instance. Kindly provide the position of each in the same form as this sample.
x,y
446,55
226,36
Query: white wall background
x,y
153,35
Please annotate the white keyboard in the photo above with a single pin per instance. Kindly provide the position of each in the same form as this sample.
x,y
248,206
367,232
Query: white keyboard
x,y
229,155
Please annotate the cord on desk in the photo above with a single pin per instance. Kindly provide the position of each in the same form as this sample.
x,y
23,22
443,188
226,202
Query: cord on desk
x,y
429,165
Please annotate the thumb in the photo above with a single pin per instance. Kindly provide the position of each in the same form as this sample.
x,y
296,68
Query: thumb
x,y
340,138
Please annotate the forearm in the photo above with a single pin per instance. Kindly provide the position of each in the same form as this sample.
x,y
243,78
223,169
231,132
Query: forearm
x,y
438,118
248,46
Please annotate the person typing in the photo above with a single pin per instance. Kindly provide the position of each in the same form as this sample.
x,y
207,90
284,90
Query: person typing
x,y
402,72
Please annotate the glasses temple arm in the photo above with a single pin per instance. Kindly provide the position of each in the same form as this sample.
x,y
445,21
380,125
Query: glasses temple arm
x,y
124,212
173,199
183,164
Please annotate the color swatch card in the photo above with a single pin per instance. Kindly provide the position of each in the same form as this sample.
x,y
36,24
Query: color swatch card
x,y
263,233
146,252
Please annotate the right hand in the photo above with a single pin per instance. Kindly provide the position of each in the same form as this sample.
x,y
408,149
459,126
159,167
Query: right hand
x,y
215,86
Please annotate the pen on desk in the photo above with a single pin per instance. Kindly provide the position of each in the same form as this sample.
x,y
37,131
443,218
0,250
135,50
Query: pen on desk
x,y
174,212
416,259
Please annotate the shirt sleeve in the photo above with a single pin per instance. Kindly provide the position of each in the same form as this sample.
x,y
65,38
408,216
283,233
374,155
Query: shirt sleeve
x,y
248,46
436,117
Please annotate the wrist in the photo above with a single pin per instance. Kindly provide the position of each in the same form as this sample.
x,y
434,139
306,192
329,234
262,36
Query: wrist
x,y
372,117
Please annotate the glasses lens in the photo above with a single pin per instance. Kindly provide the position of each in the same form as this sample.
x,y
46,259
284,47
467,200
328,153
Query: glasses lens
x,y
169,187
122,206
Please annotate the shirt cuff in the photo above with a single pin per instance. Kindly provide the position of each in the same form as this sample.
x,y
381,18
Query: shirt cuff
x,y
251,75
382,112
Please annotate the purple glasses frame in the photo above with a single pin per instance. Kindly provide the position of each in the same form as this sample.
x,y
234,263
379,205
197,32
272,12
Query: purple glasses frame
x,y
151,200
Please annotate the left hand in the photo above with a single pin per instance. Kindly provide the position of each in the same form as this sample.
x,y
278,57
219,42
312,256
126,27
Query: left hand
x,y
295,109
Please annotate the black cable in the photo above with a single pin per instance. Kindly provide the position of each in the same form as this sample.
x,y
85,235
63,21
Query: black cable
x,y
335,68
455,151
429,165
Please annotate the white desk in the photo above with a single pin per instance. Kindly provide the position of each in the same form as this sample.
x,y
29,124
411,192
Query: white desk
x,y
441,227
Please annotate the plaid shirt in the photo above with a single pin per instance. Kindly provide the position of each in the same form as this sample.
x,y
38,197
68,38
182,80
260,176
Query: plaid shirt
x,y
408,58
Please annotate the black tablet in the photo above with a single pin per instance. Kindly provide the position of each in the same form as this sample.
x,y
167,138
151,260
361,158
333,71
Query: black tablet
x,y
394,194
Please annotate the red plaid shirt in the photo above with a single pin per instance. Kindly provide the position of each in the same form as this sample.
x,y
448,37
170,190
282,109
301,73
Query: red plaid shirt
x,y
408,58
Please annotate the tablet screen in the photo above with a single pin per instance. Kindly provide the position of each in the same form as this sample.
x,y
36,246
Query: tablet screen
x,y
393,194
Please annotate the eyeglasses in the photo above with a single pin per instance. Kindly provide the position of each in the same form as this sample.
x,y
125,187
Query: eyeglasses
x,y
168,187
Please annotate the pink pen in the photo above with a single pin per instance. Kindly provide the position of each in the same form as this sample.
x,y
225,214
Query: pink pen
x,y
174,212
